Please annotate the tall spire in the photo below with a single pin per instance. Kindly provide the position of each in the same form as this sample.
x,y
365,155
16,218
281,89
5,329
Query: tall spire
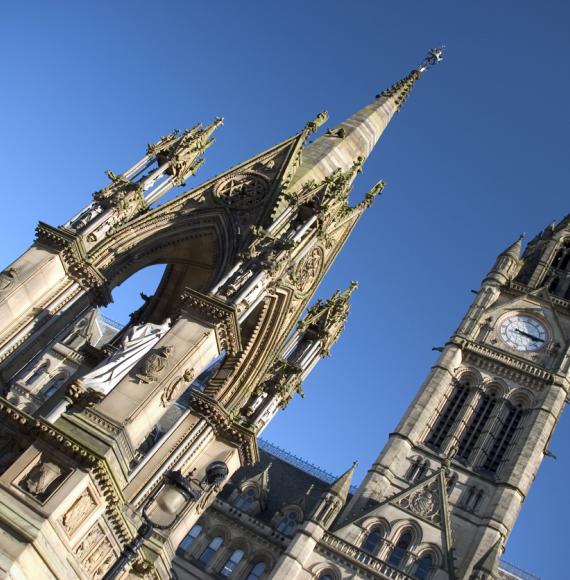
x,y
339,148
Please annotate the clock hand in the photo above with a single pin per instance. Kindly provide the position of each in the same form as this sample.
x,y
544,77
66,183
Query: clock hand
x,y
535,338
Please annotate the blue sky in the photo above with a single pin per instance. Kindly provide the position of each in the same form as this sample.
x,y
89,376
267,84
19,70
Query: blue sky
x,y
478,155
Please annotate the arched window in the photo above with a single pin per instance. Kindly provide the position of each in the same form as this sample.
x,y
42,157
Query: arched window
x,y
423,567
211,549
448,416
245,500
475,426
400,549
193,534
42,369
231,563
288,523
372,540
256,571
503,439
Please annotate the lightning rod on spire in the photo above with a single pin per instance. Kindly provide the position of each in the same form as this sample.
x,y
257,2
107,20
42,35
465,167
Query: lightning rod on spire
x,y
433,56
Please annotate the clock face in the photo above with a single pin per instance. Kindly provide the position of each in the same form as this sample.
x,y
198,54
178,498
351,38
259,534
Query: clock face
x,y
523,333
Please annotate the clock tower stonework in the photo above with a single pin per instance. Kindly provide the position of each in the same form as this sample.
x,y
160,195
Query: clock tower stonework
x,y
459,465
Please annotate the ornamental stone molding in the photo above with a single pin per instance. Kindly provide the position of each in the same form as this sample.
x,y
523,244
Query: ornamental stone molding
x,y
226,426
309,270
243,191
70,247
212,311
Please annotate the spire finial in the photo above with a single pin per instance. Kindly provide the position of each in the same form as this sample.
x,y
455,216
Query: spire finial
x,y
433,56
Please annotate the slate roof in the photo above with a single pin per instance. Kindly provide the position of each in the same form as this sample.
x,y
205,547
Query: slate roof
x,y
288,484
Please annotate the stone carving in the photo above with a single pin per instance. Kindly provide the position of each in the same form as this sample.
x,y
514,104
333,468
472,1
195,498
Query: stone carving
x,y
137,341
243,191
93,536
99,555
154,364
7,278
172,390
309,270
78,512
424,502
42,479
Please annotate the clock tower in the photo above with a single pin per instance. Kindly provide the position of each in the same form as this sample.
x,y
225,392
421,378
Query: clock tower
x,y
452,478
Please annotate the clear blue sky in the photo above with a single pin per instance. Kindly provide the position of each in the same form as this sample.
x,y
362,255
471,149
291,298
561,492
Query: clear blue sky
x,y
478,154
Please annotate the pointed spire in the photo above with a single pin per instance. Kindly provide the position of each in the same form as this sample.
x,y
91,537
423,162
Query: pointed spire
x,y
182,151
341,487
357,136
514,250
507,265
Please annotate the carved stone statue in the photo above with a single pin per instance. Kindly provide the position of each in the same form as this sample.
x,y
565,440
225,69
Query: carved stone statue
x,y
139,339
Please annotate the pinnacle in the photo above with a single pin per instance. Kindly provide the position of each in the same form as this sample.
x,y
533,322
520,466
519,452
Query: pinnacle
x,y
356,136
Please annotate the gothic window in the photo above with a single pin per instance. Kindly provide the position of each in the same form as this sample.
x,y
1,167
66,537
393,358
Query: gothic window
x,y
417,470
211,549
54,385
372,540
423,567
472,498
42,369
399,551
245,500
503,439
192,536
288,523
256,571
231,563
475,426
448,416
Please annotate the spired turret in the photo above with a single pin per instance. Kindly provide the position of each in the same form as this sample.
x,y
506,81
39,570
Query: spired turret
x,y
507,265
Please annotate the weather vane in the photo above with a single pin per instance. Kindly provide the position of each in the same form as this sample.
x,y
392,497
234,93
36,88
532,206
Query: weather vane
x,y
434,56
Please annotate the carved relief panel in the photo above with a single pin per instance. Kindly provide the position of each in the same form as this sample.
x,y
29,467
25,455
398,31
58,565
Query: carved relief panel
x,y
95,552
79,511
44,477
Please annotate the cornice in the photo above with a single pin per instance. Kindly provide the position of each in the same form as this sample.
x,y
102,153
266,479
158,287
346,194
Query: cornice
x,y
213,311
226,427
501,363
69,246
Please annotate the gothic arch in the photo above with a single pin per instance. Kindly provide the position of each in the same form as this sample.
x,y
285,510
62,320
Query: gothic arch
x,y
469,376
495,388
521,398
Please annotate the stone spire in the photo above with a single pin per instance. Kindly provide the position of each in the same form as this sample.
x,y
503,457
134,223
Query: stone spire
x,y
507,265
341,486
355,138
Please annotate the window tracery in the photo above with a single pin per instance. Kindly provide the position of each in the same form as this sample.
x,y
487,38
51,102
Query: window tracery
x,y
371,542
288,523
400,549
449,414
